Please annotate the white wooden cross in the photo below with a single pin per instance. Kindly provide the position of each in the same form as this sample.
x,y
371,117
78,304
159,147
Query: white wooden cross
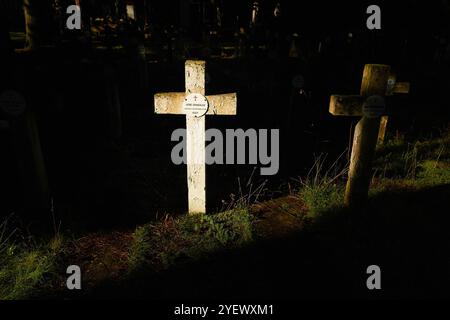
x,y
195,106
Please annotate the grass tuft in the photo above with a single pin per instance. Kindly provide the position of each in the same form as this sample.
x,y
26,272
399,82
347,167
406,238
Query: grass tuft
x,y
186,238
139,248
400,159
23,270
321,190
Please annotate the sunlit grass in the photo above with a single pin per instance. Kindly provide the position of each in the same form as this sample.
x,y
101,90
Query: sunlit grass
x,y
139,248
175,240
322,189
400,159
398,164
321,198
412,165
24,269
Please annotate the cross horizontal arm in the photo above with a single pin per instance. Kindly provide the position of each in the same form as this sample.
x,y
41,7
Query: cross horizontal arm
x,y
401,87
222,104
346,105
397,87
172,103
169,102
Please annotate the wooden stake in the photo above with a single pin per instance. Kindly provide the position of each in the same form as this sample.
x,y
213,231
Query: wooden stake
x,y
382,131
374,82
370,104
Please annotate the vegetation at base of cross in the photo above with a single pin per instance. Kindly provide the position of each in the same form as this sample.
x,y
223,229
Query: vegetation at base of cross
x,y
397,164
322,190
400,159
412,165
30,267
181,239
27,268
140,247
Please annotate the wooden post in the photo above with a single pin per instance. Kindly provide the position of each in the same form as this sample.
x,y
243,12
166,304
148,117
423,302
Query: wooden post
x,y
195,140
374,82
370,104
383,128
38,23
392,87
174,103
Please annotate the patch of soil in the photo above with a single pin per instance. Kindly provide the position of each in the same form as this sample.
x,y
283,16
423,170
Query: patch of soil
x,y
101,256
104,256
279,217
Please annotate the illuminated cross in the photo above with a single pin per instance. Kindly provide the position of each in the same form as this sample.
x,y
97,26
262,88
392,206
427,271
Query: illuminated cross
x,y
195,106
377,82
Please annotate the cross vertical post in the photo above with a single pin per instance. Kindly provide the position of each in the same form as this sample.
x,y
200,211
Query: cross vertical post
x,y
377,83
195,106
374,82
195,140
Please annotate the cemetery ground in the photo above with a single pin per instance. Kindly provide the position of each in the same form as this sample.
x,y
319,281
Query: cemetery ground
x,y
302,244
98,151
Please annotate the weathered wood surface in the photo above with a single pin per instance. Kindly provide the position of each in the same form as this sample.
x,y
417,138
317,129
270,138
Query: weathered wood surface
x,y
195,141
374,82
401,87
341,105
172,103
377,81
382,131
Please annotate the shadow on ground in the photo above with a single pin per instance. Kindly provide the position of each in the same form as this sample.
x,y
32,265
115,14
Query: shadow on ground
x,y
403,232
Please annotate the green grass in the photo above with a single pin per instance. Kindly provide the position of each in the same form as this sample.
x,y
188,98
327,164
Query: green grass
x,y
429,174
412,165
189,237
139,248
400,159
321,198
322,189
435,172
397,164
24,269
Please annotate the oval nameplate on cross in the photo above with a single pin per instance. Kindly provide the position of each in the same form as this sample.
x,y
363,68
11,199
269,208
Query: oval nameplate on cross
x,y
374,106
195,105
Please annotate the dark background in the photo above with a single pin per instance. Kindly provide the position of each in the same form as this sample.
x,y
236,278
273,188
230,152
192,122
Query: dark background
x,y
98,181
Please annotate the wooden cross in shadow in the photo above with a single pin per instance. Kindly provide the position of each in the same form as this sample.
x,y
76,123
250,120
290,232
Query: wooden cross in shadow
x,y
377,82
